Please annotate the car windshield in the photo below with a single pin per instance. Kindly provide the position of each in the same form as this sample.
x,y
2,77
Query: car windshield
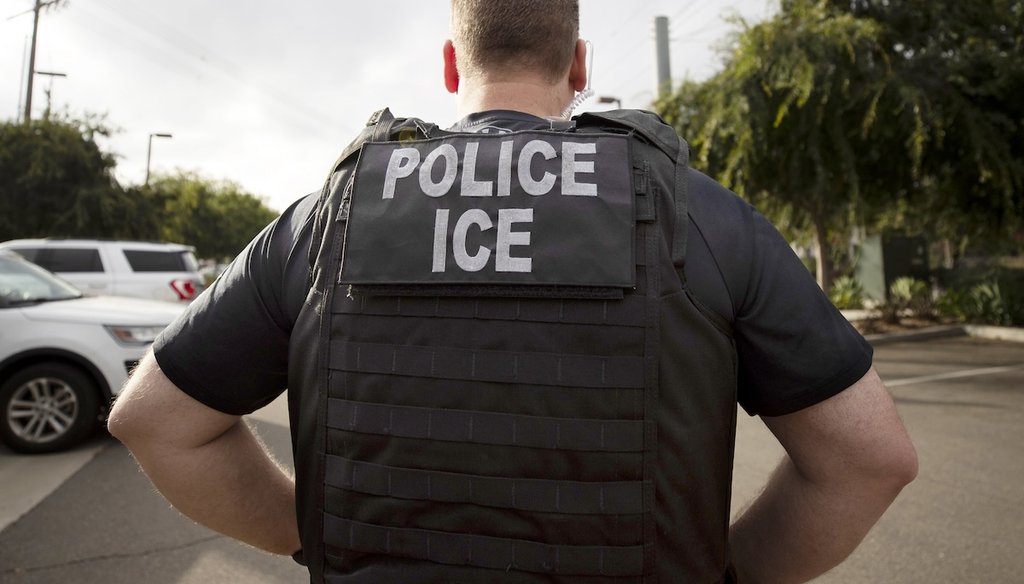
x,y
22,283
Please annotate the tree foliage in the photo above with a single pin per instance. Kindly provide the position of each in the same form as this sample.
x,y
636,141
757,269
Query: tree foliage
x,y
217,217
961,64
785,122
891,112
56,181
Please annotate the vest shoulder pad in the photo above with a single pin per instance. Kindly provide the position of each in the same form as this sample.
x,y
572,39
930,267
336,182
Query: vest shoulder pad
x,y
648,125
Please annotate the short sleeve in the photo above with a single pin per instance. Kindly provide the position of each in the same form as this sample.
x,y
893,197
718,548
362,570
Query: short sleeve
x,y
229,349
794,348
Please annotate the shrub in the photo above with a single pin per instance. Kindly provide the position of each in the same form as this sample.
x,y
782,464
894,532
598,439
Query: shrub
x,y
846,293
911,294
989,302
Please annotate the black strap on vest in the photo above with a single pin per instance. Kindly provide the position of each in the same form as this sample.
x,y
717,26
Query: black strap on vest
x,y
680,197
381,121
488,552
524,494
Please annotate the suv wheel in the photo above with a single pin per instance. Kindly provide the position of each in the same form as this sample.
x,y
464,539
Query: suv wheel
x,y
47,407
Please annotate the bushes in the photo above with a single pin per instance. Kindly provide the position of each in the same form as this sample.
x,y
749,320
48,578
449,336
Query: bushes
x,y
985,292
998,299
908,294
984,303
846,293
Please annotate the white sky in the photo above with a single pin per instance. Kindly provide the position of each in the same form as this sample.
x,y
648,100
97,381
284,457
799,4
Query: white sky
x,y
267,93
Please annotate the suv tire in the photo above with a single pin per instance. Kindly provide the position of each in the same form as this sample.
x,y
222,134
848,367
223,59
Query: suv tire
x,y
47,407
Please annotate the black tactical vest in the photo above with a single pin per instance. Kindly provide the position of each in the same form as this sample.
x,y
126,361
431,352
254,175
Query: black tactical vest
x,y
468,415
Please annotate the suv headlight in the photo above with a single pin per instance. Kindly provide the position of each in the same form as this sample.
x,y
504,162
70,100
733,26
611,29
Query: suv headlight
x,y
134,335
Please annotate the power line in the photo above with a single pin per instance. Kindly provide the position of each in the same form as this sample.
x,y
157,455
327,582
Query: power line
x,y
705,32
155,26
622,25
693,4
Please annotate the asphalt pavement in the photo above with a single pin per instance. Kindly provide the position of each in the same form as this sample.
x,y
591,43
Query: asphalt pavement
x,y
90,516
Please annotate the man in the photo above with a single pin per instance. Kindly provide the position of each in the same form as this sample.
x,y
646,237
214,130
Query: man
x,y
462,411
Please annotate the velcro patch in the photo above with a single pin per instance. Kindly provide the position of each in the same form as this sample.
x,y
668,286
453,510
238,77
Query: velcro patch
x,y
527,208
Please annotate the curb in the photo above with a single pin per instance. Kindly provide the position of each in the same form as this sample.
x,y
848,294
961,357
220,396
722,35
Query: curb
x,y
991,333
996,333
938,332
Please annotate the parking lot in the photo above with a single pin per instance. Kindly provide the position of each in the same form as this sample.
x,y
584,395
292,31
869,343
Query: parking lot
x,y
90,516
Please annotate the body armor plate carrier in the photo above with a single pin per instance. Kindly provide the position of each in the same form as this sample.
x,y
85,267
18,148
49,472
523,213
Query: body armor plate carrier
x,y
471,415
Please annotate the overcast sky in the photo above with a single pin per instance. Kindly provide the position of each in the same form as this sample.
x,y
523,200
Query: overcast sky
x,y
267,93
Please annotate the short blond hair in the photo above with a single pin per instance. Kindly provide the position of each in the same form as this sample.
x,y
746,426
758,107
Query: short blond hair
x,y
537,36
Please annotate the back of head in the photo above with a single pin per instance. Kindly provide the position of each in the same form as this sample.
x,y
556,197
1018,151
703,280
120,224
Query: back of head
x,y
499,37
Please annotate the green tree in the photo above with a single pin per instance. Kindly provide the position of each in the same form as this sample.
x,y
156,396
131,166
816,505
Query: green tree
x,y
785,122
56,181
961,64
880,113
217,217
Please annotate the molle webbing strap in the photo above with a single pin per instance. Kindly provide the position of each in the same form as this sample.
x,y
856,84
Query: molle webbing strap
x,y
490,291
680,199
649,234
493,366
628,312
485,552
536,495
496,429
646,203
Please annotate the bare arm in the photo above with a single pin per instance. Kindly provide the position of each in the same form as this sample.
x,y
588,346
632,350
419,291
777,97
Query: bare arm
x,y
208,464
848,459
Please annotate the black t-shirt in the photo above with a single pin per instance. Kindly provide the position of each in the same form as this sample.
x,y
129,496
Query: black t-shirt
x,y
230,348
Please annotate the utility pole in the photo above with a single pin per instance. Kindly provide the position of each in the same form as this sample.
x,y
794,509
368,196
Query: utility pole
x,y
39,5
661,49
32,62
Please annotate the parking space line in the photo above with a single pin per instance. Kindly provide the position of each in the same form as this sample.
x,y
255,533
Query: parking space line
x,y
954,375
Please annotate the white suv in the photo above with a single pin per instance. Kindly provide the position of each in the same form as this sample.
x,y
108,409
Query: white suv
x,y
63,356
160,271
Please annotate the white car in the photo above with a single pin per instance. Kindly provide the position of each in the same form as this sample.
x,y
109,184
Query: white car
x,y
140,269
63,356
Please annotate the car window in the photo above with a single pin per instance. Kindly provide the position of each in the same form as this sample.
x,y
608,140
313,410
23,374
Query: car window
x,y
29,253
70,260
160,261
22,282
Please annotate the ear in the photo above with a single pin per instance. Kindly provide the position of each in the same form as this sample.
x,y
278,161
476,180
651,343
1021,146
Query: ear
x,y
578,71
451,69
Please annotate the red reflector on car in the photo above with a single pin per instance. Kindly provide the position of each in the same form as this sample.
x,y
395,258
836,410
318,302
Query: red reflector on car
x,y
185,289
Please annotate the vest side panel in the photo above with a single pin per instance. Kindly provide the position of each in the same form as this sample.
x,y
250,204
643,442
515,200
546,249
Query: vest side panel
x,y
696,426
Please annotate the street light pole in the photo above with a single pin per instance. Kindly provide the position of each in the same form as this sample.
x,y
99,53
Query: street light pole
x,y
610,99
149,151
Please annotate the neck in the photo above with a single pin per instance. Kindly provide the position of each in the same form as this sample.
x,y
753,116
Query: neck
x,y
540,99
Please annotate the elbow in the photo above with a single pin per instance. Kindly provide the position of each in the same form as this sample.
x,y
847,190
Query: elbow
x,y
896,467
131,417
906,467
121,423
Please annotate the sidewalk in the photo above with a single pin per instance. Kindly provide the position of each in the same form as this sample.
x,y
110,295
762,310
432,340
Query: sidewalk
x,y
993,333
